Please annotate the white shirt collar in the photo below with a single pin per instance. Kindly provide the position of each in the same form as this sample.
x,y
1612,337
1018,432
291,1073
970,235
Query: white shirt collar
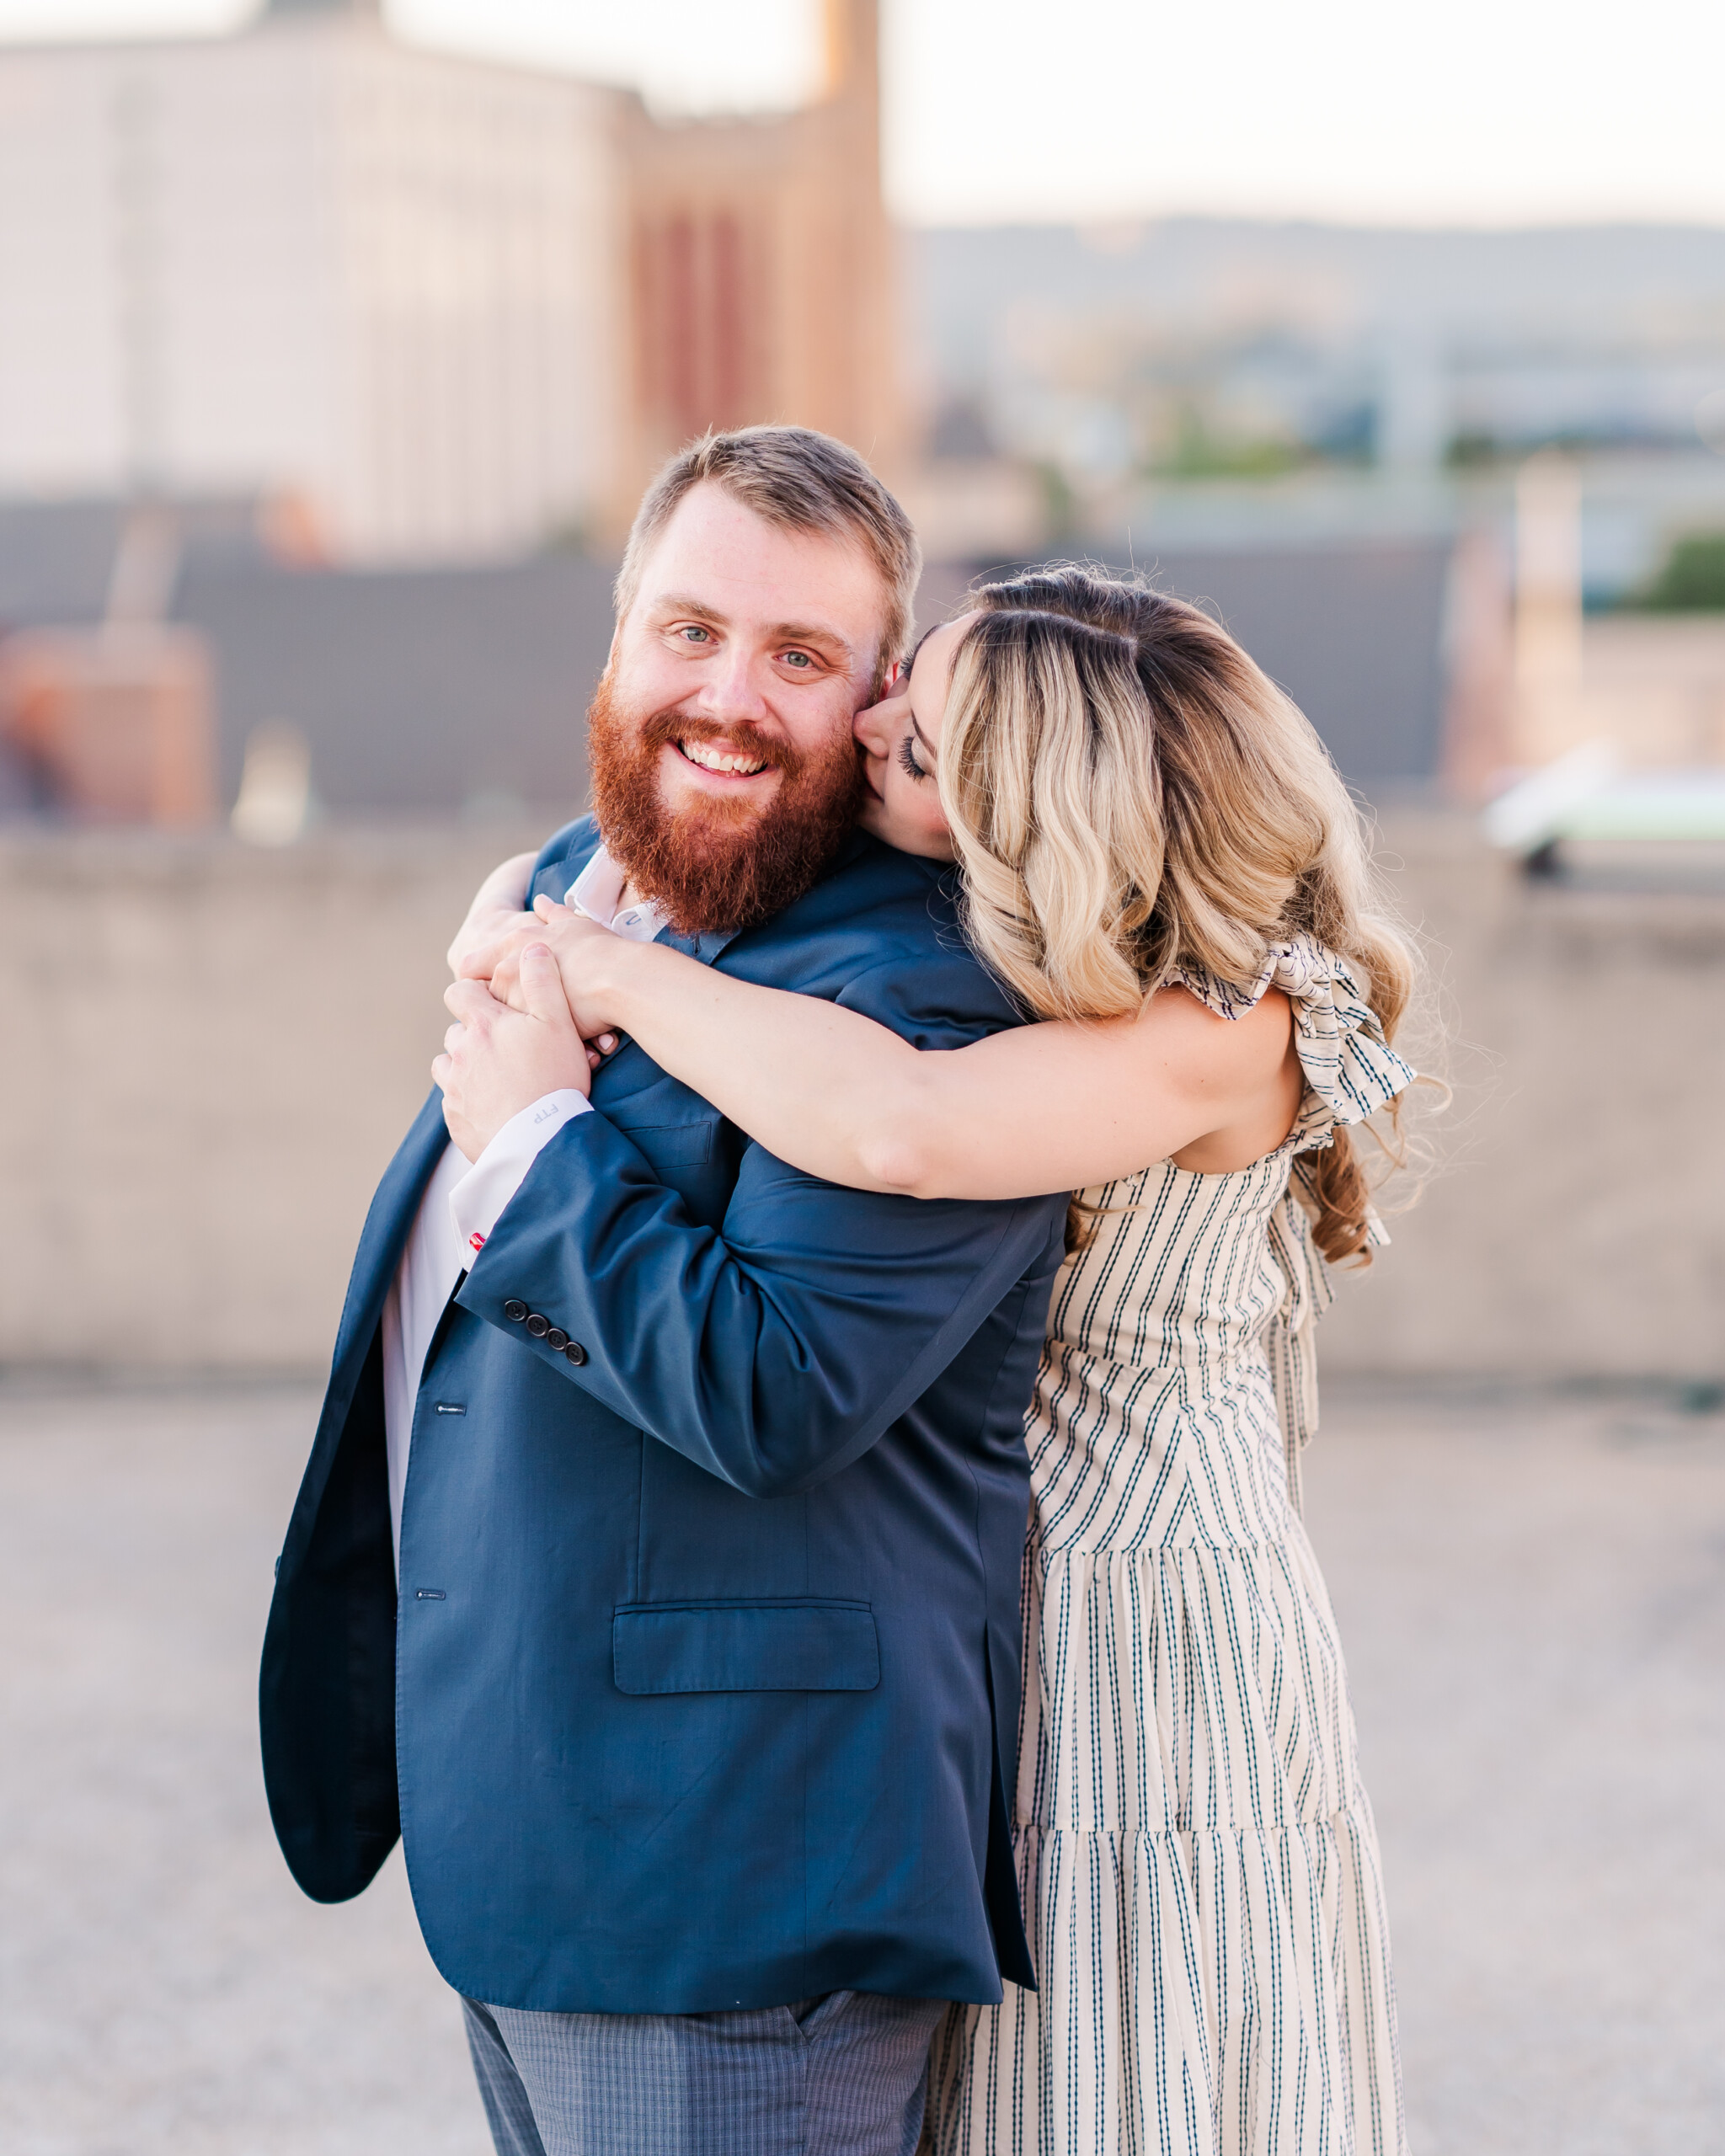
x,y
596,892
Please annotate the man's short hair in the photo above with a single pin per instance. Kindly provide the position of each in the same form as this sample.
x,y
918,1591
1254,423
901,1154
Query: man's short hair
x,y
799,481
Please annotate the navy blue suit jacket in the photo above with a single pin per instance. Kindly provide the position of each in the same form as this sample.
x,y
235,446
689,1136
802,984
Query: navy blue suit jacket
x,y
700,1690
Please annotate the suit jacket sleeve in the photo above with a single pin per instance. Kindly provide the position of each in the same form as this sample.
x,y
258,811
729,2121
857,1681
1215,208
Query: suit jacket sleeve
x,y
775,1349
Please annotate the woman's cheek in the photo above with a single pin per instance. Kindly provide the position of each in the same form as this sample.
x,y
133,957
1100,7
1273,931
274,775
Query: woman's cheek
x,y
874,817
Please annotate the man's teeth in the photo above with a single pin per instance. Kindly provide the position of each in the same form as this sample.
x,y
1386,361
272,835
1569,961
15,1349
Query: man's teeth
x,y
713,759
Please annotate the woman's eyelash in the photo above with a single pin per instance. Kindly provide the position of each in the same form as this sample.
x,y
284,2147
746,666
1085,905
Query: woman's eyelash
x,y
907,759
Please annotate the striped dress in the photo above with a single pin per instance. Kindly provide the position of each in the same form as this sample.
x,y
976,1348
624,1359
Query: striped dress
x,y
1196,1855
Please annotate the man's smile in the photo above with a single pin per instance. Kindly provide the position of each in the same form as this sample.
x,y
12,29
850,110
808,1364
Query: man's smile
x,y
727,763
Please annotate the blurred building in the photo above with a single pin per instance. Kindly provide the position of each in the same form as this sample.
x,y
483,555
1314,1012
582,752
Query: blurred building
x,y
310,260
376,324
1648,688
114,725
109,720
1362,635
1418,472
460,690
1229,347
762,266
431,306
1213,382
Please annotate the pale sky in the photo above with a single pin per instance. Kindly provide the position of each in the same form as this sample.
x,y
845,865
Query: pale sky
x,y
1484,112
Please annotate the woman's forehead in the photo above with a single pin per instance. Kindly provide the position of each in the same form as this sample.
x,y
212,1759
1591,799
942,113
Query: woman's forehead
x,y
911,662
951,631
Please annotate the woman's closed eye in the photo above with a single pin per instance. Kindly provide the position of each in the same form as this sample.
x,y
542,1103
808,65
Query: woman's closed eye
x,y
907,759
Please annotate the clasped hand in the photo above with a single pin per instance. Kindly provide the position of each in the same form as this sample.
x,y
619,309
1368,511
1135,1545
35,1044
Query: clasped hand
x,y
492,952
516,1038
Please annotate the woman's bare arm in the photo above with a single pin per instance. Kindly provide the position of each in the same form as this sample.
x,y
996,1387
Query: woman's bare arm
x,y
498,904
1043,1107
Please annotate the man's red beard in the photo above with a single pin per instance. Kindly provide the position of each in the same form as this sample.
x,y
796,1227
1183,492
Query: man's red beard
x,y
717,864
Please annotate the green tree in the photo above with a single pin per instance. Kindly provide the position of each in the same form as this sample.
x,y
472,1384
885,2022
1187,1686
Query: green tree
x,y
1692,580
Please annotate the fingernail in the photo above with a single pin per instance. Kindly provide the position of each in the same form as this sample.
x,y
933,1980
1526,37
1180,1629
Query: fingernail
x,y
607,1041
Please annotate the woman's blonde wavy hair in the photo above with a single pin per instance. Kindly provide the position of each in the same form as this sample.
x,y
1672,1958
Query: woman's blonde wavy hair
x,y
1130,793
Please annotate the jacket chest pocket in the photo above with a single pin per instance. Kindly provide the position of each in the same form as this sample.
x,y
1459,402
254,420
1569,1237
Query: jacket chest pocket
x,y
689,1159
672,1145
805,1645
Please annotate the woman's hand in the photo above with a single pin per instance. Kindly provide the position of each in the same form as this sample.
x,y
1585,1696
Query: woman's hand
x,y
499,903
592,961
497,1061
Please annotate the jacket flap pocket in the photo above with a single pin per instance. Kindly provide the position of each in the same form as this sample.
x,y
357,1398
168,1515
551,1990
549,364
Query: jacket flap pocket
x,y
746,1646
671,1145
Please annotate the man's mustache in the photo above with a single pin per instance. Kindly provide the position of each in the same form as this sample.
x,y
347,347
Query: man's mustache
x,y
741,738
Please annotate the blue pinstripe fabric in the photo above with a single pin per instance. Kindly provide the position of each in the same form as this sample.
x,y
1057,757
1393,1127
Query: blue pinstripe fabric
x,y
843,2075
1196,1855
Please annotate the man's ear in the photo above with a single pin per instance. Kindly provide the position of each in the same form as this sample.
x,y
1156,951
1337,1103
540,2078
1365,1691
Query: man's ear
x,y
880,686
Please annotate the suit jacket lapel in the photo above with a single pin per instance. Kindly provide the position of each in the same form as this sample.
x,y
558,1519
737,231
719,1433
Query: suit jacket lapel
x,y
554,878
381,1241
708,945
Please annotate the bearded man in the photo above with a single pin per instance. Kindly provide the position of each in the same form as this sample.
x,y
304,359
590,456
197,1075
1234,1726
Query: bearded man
x,y
655,1572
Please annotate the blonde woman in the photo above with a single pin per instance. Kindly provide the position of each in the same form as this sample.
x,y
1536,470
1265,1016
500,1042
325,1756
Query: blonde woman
x,y
1161,865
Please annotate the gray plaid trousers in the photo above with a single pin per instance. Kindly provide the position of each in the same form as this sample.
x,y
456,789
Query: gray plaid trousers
x,y
843,2075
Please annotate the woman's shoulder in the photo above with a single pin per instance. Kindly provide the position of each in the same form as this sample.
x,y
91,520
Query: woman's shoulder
x,y
1351,1071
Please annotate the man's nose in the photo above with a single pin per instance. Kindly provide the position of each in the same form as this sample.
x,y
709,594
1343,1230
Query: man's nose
x,y
735,688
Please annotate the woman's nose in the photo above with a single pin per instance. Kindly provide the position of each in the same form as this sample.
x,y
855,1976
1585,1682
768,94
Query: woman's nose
x,y
871,728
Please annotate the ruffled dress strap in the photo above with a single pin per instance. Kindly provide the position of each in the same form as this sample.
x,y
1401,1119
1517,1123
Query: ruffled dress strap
x,y
1351,1071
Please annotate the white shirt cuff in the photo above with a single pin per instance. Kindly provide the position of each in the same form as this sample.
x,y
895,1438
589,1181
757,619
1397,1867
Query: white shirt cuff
x,y
477,1202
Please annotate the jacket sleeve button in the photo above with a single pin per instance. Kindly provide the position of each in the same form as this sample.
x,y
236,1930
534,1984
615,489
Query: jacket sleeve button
x,y
575,1352
537,1325
515,1312
557,1338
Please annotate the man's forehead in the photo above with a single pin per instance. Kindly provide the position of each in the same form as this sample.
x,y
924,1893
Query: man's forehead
x,y
718,559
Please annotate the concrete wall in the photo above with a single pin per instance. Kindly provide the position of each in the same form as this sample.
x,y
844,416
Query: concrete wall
x,y
1575,1224
210,1053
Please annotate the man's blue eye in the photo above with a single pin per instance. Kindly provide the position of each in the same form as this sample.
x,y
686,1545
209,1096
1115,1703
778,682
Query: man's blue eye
x,y
694,634
798,658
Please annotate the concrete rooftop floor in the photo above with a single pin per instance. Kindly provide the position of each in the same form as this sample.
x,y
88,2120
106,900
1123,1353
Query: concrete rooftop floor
x,y
1531,1588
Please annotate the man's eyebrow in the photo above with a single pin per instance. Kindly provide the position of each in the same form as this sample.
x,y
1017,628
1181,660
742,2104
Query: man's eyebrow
x,y
678,602
812,632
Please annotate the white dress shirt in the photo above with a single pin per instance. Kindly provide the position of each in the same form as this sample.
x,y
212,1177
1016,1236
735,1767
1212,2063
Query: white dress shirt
x,y
462,1203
